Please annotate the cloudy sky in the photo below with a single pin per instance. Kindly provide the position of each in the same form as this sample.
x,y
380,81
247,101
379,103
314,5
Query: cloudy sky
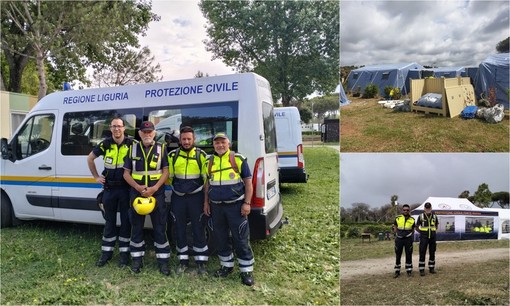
x,y
372,178
176,41
439,33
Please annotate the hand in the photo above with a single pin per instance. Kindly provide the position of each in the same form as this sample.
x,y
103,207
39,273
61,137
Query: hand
x,y
207,209
149,191
100,179
245,209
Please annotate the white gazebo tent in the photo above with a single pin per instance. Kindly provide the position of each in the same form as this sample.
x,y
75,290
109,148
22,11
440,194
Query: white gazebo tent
x,y
504,222
459,219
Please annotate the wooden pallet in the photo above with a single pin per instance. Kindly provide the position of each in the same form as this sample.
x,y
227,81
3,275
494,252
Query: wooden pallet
x,y
429,110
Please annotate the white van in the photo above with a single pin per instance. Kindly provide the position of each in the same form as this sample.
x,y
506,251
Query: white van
x,y
290,145
44,173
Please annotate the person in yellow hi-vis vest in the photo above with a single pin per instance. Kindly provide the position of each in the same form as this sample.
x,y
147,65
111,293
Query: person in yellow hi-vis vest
x,y
185,176
403,227
116,192
146,171
228,193
427,225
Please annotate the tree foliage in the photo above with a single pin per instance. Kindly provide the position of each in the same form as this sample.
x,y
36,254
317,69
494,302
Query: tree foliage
x,y
502,198
464,194
293,44
130,67
503,46
323,106
482,197
68,35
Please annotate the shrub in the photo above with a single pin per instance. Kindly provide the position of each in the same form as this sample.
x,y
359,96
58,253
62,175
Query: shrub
x,y
371,91
353,232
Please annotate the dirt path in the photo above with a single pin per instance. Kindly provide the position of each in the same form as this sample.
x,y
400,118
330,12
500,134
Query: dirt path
x,y
352,268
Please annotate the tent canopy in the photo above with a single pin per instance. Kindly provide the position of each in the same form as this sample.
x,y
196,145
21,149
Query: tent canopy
x,y
395,75
343,96
442,203
494,73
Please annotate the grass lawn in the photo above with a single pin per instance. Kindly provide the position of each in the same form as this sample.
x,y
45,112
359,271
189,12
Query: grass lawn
x,y
365,126
53,263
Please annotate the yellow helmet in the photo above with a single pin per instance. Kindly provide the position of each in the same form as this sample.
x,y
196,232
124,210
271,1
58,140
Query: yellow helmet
x,y
144,206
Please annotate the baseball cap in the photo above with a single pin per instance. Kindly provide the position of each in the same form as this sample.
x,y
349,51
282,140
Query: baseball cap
x,y
428,205
220,135
147,126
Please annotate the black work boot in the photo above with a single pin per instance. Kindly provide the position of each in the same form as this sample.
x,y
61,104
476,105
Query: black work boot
x,y
223,271
124,259
137,265
397,274
247,278
432,271
409,274
201,270
105,257
422,272
163,268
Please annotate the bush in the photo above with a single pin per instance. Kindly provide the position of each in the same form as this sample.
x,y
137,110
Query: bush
x,y
392,92
353,232
371,91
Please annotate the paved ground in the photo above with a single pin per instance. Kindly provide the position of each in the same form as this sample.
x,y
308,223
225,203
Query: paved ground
x,y
310,144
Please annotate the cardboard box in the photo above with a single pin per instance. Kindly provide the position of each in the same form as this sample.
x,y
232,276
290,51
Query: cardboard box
x,y
457,93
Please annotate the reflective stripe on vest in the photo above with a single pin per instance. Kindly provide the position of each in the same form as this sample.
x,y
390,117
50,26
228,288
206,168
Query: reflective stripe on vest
x,y
427,223
186,165
403,224
114,156
222,172
152,175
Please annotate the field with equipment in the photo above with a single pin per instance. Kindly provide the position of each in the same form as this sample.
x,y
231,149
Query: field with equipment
x,y
365,126
54,263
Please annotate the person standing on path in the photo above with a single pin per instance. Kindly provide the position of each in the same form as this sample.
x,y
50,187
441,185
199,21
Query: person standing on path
x,y
403,227
427,224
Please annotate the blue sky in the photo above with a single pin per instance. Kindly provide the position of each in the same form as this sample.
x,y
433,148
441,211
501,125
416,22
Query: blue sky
x,y
439,33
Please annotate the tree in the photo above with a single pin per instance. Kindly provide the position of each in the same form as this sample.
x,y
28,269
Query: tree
x,y
69,35
464,194
293,44
502,198
328,104
503,46
482,196
305,114
130,67
360,212
394,203
200,74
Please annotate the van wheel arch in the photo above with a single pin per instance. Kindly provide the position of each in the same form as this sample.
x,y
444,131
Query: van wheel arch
x,y
7,212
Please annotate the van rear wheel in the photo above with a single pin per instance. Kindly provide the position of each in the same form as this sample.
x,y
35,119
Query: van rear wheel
x,y
6,218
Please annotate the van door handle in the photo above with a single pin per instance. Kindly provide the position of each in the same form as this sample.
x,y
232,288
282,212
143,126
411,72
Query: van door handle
x,y
44,167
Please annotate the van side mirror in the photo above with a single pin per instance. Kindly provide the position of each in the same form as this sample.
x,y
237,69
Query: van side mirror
x,y
5,148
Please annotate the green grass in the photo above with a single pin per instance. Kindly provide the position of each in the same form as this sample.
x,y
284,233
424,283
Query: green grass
x,y
53,263
367,127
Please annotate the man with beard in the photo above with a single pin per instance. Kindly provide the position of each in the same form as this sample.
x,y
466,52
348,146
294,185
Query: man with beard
x,y
146,170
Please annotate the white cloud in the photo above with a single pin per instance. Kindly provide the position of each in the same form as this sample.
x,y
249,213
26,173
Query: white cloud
x,y
176,41
441,33
372,178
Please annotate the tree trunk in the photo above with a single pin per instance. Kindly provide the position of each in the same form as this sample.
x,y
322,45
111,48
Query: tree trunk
x,y
17,64
43,87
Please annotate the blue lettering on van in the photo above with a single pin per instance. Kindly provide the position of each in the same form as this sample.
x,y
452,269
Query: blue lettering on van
x,y
219,87
174,91
116,96
191,90
279,114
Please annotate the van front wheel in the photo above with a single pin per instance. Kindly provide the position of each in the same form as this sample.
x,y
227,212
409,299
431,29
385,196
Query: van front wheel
x,y
6,218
